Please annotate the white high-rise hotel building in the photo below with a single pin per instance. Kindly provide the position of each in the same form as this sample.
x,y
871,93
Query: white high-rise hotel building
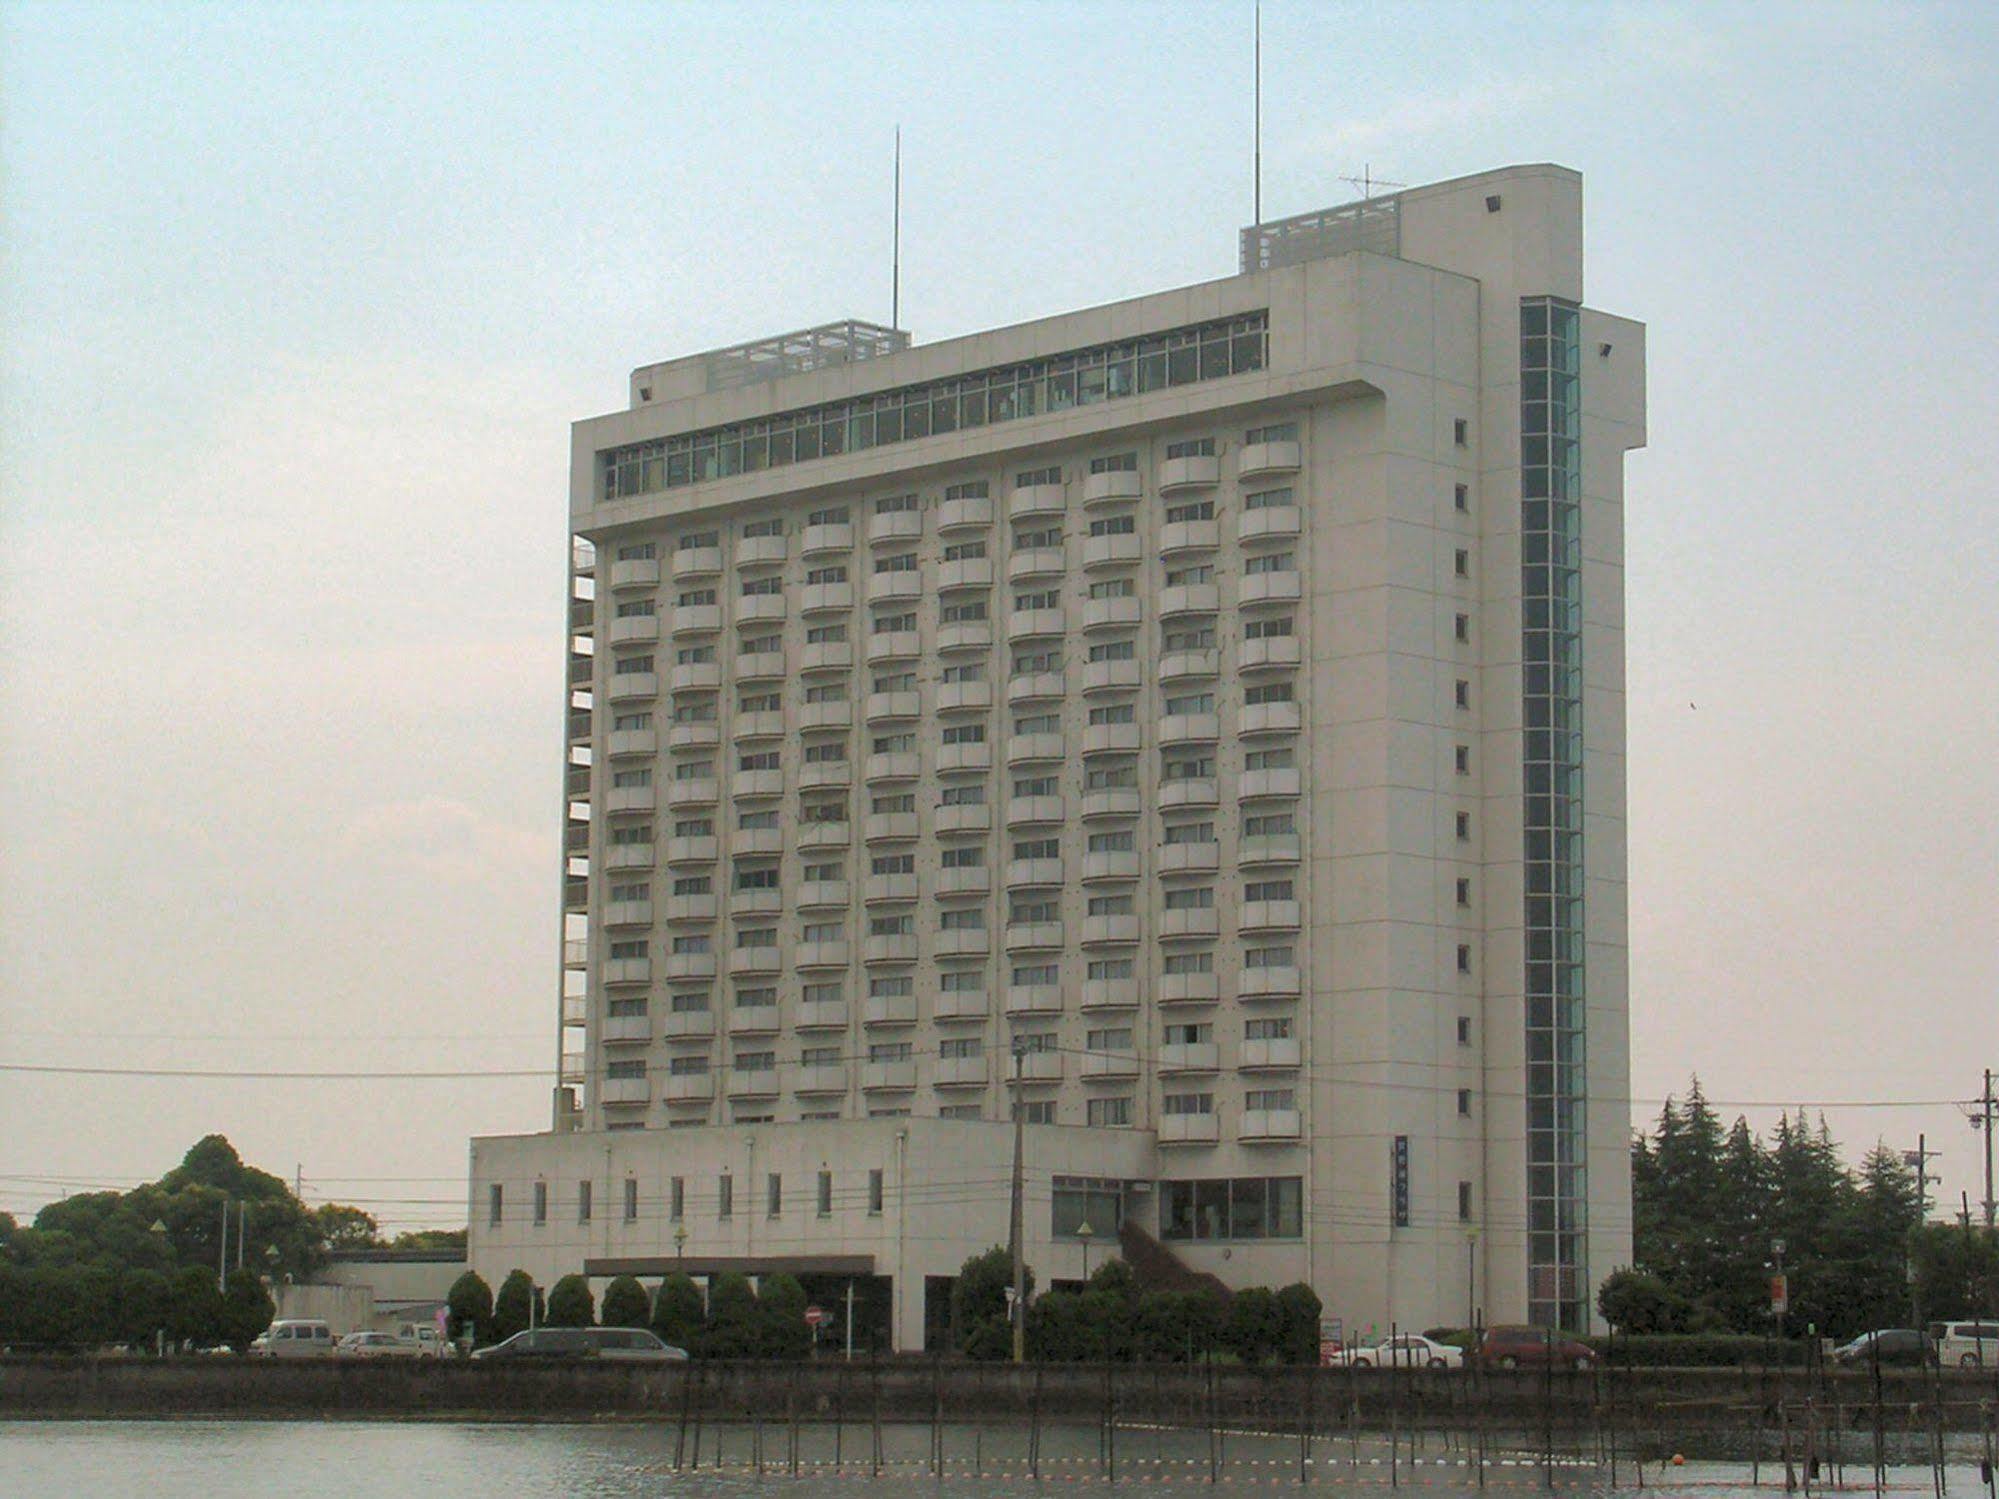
x,y
1207,709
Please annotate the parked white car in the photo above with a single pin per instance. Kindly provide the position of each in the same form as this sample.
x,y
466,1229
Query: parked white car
x,y
1407,1350
1967,1345
377,1345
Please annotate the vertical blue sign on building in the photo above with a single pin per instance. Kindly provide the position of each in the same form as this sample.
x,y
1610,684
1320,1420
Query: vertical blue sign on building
x,y
1401,1181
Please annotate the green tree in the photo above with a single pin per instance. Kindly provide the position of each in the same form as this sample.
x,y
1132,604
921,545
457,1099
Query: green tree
x,y
246,1310
513,1307
979,1326
194,1307
1637,1301
343,1228
1254,1327
678,1312
1057,1331
470,1302
570,1303
1956,1270
144,1306
626,1303
781,1304
1298,1309
732,1329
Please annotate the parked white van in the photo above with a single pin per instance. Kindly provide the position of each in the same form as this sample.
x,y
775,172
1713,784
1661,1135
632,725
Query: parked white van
x,y
294,1338
430,1343
1966,1345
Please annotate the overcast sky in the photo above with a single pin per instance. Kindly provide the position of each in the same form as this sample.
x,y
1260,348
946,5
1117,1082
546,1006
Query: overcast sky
x,y
299,301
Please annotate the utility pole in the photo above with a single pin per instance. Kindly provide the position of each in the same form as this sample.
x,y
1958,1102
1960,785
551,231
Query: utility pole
x,y
222,1257
1986,1120
1920,1158
1016,1232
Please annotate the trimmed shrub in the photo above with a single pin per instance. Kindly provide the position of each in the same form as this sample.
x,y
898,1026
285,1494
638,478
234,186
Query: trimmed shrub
x,y
979,1326
626,1304
1298,1311
570,1303
470,1303
677,1312
1719,1350
1255,1326
732,1329
781,1303
514,1306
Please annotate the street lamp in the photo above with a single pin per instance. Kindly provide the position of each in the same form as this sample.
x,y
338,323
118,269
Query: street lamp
x,y
1086,1233
680,1241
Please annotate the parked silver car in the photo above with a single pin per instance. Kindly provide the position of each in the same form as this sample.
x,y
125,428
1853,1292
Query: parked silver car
x,y
619,1344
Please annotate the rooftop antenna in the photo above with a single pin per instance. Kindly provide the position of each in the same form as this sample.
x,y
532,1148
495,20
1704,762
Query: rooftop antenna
x,y
1256,214
1367,182
895,254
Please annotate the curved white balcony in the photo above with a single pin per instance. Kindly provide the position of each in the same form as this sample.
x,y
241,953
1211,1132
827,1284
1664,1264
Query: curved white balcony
x,y
960,1004
765,725
881,888
1198,792
961,1072
690,1087
1111,676
1112,738
1185,665
1035,499
691,849
694,676
624,1030
819,895
1179,925
958,697
1188,536
826,655
889,1009
1267,458
1269,1124
1186,989
1109,931
1034,562
833,715
745,784
696,562
889,827
1268,915
701,791
1111,614
760,608
962,942
1269,523
760,551
1026,624
1114,485
627,970
825,598
1041,1067
628,856
1268,983
1110,994
1033,935
688,1025
1268,718
961,880
825,834
1119,550
686,908
1276,1054
964,513
822,775
1189,598
628,913
966,572
758,666
630,799
696,619
1033,999
960,818
897,947
698,734
1113,864
1197,472
1190,1056
901,765
894,645
887,1077
1022,748
822,1015
1030,686
964,635
820,954
624,1090
826,536
758,901
887,587
895,525
887,707
1110,1064
627,685
637,572
1189,1129
1031,874
1268,588
1269,651
690,965
1188,858
1253,785
961,757
747,960
626,742
634,629
754,1020
1110,801
1032,809
822,1078
1190,728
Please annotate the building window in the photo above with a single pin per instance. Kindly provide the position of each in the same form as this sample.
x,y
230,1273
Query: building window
x,y
1464,957
584,1202
774,1195
1276,432
1461,497
825,1206
1097,1201
1109,1113
1463,759
1461,563
1464,892
1252,1207
677,1198
496,1204
1461,627
1040,1111
1464,1103
631,1199
1464,1030
1464,1202
875,1192
540,1203
1199,447
725,1196
1460,431
1461,692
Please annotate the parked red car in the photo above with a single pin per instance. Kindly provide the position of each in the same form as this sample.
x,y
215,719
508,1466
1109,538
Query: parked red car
x,y
1533,1348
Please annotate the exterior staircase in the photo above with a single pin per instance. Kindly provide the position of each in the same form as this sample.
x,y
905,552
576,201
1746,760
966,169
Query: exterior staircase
x,y
1157,1268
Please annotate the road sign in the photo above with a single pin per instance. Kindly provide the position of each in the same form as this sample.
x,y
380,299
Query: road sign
x,y
814,1316
1780,1295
